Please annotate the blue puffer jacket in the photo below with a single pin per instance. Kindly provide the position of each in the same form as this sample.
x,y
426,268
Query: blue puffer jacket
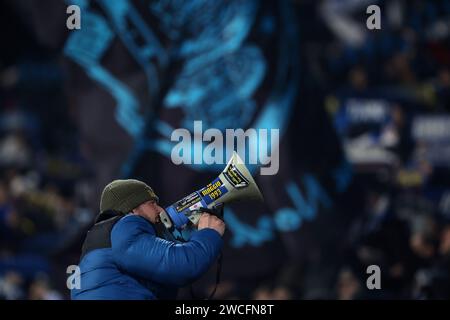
x,y
139,265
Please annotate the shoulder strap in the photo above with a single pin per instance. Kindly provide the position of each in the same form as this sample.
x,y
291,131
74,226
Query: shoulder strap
x,y
211,295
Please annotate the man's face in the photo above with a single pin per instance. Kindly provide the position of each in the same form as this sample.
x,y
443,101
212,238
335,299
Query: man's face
x,y
149,210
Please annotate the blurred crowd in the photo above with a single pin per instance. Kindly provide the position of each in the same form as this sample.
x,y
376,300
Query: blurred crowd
x,y
402,225
44,181
42,202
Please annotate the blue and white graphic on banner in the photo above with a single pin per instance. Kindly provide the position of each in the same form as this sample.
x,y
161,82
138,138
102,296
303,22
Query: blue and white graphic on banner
x,y
223,68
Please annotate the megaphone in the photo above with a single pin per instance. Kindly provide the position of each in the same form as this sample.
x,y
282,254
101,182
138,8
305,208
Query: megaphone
x,y
234,183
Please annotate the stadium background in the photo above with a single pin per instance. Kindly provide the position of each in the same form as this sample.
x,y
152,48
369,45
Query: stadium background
x,y
363,116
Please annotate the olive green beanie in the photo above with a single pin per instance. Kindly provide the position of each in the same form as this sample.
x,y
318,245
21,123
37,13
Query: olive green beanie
x,y
125,195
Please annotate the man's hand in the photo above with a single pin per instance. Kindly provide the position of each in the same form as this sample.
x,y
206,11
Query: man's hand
x,y
210,221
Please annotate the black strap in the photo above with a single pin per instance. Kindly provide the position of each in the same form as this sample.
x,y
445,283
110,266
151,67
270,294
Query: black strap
x,y
219,270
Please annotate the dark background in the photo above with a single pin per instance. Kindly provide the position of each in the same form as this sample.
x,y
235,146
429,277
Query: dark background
x,y
363,116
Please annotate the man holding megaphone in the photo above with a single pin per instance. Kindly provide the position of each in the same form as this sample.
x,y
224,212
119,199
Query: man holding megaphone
x,y
138,250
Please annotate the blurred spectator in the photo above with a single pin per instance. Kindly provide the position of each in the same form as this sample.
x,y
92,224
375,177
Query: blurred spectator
x,y
14,151
11,286
348,285
41,290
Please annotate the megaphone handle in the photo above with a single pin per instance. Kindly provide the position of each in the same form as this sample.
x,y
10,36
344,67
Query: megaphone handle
x,y
216,211
218,208
219,270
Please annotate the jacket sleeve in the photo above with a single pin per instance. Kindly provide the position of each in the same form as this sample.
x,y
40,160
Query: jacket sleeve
x,y
137,250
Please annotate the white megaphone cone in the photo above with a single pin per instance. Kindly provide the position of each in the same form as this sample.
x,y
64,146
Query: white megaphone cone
x,y
238,181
